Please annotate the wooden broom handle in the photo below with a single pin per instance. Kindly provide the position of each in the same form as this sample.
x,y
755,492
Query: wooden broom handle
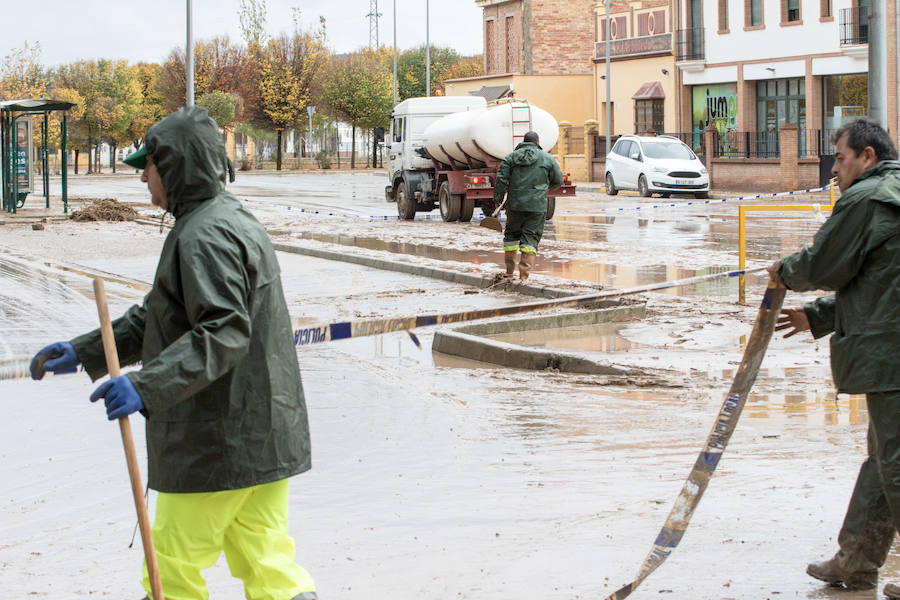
x,y
134,473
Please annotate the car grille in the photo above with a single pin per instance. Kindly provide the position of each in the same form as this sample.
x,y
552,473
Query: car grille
x,y
685,174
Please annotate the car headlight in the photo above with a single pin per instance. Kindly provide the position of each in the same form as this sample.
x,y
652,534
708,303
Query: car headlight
x,y
704,171
659,169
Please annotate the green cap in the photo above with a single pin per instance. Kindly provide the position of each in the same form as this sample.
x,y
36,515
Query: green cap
x,y
138,159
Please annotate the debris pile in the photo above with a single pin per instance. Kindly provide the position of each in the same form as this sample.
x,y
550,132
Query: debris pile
x,y
106,209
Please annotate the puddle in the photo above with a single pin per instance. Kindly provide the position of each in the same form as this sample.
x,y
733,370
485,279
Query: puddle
x,y
580,270
599,337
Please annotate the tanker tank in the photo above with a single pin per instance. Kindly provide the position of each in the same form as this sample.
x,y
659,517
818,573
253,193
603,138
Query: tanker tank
x,y
488,134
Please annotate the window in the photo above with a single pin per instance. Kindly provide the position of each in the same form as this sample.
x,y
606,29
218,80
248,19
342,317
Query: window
x,y
790,11
649,115
490,46
512,63
753,13
825,9
723,16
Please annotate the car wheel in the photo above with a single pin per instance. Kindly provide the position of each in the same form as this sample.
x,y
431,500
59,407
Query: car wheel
x,y
448,203
610,185
701,195
406,206
666,195
643,188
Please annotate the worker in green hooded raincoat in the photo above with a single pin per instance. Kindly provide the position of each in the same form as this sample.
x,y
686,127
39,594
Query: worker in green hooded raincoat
x,y
525,176
856,254
219,383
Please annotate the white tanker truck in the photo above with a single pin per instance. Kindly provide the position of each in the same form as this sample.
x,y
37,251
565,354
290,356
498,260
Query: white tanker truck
x,y
444,151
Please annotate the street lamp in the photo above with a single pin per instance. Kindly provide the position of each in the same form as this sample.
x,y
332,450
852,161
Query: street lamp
x,y
608,86
395,52
310,110
427,48
189,59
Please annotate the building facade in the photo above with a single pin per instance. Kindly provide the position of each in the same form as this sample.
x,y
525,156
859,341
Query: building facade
x,y
536,50
750,67
644,95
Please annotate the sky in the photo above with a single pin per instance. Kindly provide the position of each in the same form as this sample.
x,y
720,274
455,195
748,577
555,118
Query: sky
x,y
91,29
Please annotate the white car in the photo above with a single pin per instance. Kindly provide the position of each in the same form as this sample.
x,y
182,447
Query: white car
x,y
659,164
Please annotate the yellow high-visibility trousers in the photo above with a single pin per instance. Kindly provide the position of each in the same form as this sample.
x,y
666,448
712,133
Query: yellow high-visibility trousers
x,y
250,525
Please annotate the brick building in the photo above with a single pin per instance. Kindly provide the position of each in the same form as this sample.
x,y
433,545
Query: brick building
x,y
537,50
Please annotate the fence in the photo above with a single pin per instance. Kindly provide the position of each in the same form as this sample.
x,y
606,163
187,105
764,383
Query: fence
x,y
576,140
748,144
854,25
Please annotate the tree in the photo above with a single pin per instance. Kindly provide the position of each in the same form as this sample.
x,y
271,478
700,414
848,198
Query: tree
x,y
221,107
252,16
471,66
219,65
290,64
151,108
411,70
358,88
21,74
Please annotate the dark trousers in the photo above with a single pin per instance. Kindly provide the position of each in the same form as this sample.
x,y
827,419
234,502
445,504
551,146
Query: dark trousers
x,y
873,516
523,231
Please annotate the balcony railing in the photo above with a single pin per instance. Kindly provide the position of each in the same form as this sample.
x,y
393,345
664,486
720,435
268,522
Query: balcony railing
x,y
854,25
689,44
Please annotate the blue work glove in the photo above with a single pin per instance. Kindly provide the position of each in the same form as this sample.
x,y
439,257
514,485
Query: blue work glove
x,y
120,397
59,357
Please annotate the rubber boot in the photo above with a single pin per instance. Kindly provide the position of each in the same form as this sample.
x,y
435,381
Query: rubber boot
x,y
892,591
526,262
509,257
831,573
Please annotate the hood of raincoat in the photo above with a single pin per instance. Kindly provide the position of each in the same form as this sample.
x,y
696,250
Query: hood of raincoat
x,y
189,154
525,154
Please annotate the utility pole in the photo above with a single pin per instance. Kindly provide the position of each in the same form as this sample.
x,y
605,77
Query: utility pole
x,y
877,108
310,110
427,48
373,15
189,59
395,52
608,86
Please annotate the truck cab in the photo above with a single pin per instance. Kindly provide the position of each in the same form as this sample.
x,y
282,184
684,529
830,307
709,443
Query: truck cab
x,y
408,168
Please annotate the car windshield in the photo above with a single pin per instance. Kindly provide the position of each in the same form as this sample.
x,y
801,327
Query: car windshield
x,y
668,150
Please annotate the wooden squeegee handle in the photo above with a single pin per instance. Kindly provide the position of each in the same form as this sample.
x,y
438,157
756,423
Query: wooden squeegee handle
x,y
134,473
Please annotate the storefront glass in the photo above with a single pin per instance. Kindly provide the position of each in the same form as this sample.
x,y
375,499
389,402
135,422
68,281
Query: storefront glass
x,y
714,105
780,101
844,98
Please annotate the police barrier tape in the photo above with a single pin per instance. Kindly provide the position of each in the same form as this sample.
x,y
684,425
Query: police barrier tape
x,y
705,202
307,334
680,516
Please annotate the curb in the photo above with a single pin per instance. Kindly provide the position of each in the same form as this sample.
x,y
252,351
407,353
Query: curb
x,y
468,342
470,279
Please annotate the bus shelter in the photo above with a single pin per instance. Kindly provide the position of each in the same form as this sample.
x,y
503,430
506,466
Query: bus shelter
x,y
17,149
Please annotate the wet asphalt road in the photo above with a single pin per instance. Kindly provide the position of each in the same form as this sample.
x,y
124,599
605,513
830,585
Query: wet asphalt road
x,y
433,478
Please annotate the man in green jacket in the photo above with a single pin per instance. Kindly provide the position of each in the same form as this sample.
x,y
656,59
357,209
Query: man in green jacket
x,y
525,175
219,385
856,254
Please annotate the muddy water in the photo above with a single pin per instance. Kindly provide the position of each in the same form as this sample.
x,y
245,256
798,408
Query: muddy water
x,y
601,337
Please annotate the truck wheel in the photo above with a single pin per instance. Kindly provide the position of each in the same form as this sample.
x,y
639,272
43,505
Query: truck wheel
x,y
448,203
551,207
406,206
467,207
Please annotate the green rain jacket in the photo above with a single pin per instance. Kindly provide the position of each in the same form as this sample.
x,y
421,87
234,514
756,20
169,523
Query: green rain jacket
x,y
220,382
856,253
528,173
